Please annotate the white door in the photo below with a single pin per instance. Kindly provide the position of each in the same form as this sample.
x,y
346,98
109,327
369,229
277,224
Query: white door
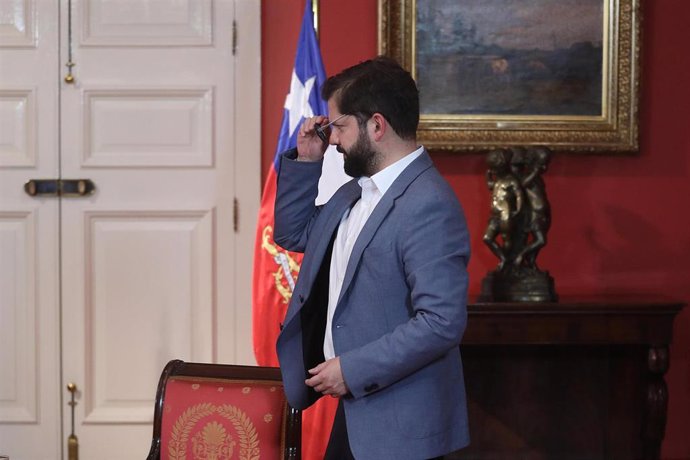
x,y
154,265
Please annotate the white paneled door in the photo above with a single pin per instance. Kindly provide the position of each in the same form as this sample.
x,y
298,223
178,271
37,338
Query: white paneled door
x,y
161,114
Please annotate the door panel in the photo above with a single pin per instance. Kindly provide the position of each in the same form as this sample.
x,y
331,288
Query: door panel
x,y
147,23
18,395
148,128
149,254
18,28
18,118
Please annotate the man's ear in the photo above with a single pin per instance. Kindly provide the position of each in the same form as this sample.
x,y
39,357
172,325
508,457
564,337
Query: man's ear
x,y
379,126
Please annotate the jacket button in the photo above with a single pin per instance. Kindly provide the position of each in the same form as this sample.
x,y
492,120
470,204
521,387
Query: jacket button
x,y
301,298
281,326
371,387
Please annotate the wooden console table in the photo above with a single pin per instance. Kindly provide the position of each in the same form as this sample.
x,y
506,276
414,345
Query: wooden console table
x,y
581,379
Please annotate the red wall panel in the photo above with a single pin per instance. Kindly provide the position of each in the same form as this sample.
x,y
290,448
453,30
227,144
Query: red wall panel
x,y
620,224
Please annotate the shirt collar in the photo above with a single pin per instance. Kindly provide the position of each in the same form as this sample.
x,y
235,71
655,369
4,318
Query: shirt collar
x,y
385,178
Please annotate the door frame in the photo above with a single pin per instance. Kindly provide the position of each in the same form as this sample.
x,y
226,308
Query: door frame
x,y
247,145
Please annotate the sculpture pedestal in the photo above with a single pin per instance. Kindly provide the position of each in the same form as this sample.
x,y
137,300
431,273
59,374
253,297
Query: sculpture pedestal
x,y
518,284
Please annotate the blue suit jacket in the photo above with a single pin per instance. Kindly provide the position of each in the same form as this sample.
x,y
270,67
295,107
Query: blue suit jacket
x,y
401,312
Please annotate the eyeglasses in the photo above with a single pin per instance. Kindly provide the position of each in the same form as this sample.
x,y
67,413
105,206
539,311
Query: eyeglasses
x,y
321,130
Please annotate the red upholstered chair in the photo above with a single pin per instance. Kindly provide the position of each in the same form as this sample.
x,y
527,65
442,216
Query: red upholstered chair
x,y
223,412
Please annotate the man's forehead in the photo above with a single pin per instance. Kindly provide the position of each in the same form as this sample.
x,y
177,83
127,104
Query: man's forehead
x,y
333,108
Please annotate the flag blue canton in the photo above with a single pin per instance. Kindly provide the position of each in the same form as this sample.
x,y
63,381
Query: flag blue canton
x,y
308,76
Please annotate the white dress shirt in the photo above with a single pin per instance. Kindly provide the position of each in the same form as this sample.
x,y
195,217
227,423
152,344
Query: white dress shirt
x,y
351,224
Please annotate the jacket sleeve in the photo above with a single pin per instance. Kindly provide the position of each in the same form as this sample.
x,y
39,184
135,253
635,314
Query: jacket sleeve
x,y
295,211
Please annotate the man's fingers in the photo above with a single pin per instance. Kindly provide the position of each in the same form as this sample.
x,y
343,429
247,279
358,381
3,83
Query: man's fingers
x,y
316,385
326,379
314,381
317,369
307,127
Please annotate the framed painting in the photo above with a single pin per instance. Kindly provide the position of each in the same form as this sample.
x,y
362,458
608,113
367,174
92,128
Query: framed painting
x,y
494,73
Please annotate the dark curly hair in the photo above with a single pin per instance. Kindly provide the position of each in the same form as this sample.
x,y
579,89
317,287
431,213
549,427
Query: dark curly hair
x,y
379,85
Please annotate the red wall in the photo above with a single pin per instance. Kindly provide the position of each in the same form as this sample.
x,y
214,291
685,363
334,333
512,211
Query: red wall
x,y
620,224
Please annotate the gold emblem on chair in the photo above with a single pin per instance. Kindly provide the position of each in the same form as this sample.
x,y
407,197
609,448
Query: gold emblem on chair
x,y
286,274
213,442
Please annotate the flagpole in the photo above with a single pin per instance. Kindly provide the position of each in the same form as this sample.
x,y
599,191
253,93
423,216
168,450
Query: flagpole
x,y
315,10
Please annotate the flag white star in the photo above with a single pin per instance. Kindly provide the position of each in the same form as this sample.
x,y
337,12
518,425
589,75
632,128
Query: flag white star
x,y
297,101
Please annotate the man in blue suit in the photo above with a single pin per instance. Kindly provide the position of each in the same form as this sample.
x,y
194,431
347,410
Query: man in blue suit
x,y
379,308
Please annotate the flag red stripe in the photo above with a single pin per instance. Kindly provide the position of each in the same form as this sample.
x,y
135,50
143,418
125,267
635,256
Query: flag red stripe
x,y
269,304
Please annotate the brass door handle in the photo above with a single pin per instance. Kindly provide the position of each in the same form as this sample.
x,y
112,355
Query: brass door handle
x,y
60,187
72,441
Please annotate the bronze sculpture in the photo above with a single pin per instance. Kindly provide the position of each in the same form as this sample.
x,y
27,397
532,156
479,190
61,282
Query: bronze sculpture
x,y
521,216
506,204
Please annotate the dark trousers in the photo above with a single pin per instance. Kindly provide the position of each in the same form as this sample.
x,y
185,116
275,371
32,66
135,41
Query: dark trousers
x,y
339,443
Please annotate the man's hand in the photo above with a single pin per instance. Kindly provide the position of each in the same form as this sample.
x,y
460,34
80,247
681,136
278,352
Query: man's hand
x,y
310,147
328,378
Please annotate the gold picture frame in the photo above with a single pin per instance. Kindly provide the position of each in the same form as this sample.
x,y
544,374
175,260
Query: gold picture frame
x,y
606,124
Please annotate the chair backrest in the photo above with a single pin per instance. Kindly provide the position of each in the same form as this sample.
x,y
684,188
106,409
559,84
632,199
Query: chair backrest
x,y
219,411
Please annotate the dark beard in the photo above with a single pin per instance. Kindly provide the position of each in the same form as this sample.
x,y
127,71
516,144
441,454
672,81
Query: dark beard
x,y
361,159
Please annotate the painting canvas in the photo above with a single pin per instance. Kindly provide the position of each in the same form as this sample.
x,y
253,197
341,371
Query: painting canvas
x,y
521,57
499,73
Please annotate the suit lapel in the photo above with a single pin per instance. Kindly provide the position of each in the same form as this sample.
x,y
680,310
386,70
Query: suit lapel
x,y
334,210
377,217
351,192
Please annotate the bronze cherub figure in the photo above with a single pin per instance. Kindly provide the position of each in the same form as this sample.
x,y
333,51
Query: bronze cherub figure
x,y
519,221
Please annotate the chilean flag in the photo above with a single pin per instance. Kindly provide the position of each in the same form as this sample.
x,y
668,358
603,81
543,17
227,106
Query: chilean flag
x,y
276,270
